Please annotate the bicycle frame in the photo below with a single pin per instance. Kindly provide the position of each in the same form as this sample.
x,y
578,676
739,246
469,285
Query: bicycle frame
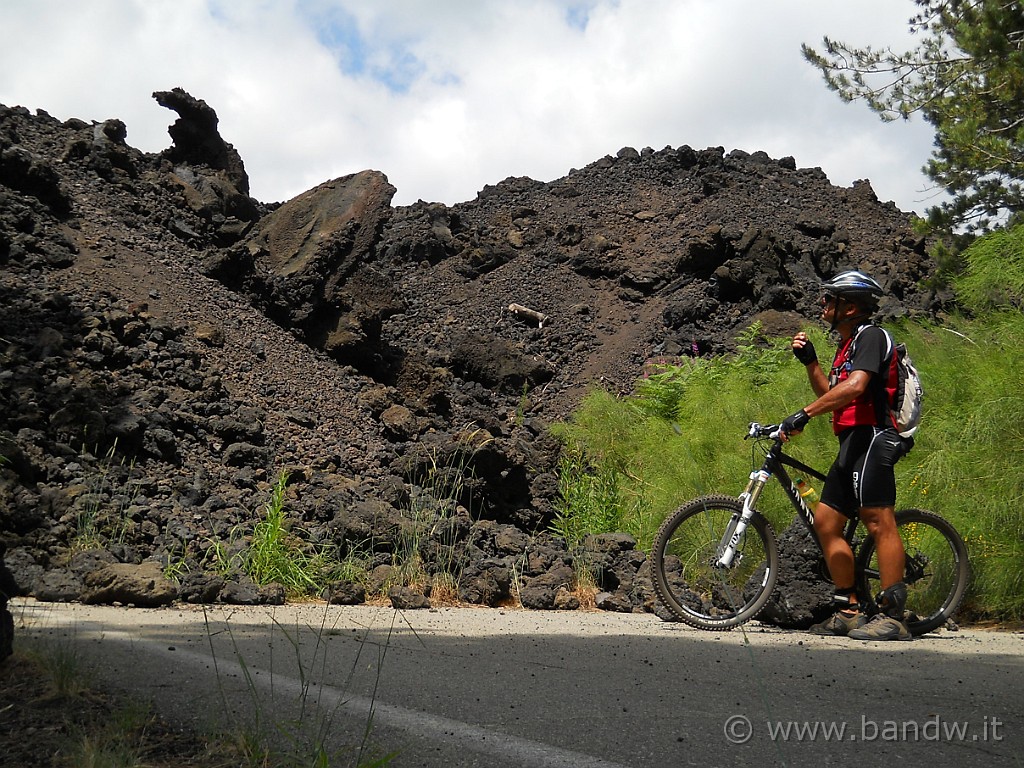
x,y
716,560
774,465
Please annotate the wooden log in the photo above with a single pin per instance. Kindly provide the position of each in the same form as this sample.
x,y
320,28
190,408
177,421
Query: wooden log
x,y
525,313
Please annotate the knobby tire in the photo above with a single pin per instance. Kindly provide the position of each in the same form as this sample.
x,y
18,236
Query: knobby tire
x,y
937,570
699,593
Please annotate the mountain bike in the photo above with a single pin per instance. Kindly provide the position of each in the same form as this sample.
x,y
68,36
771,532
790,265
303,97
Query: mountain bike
x,y
715,560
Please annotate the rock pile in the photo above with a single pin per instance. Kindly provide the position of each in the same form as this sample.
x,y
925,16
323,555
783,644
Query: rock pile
x,y
170,348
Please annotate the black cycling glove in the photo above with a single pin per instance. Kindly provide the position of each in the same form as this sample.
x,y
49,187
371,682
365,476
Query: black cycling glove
x,y
795,423
806,353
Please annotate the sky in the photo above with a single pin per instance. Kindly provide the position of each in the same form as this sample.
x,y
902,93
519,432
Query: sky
x,y
447,96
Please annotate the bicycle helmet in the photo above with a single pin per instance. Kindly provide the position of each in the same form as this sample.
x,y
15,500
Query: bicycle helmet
x,y
854,285
856,288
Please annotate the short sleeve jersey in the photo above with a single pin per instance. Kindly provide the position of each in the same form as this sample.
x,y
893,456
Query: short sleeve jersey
x,y
872,352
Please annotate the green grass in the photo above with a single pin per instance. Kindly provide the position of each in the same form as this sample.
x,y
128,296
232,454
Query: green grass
x,y
66,673
119,742
275,552
427,551
994,275
967,463
632,460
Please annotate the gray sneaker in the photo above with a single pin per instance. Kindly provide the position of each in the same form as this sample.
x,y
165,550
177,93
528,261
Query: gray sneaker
x,y
881,627
839,624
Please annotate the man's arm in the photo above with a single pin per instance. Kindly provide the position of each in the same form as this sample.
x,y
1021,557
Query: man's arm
x,y
804,351
819,383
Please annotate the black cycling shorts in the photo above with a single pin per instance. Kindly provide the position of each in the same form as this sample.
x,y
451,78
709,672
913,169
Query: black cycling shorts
x,y
862,474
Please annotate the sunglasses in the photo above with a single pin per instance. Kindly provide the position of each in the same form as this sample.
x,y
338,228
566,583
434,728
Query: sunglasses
x,y
828,299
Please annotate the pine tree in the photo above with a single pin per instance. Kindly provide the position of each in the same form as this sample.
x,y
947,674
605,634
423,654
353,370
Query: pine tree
x,y
966,78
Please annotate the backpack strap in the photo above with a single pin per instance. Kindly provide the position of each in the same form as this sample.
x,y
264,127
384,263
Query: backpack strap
x,y
890,345
879,383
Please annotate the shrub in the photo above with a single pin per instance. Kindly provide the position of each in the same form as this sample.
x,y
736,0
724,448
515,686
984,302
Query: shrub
x,y
993,278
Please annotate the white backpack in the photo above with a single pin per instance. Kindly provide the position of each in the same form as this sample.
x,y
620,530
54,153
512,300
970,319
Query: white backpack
x,y
906,410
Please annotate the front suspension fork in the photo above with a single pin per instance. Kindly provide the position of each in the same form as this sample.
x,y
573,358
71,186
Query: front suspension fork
x,y
727,547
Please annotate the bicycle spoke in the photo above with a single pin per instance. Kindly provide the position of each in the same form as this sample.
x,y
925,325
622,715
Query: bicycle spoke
x,y
936,570
690,579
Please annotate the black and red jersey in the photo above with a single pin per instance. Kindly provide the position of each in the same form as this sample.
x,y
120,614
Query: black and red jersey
x,y
870,349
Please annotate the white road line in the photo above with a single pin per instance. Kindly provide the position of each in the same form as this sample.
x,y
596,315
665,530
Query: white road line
x,y
503,748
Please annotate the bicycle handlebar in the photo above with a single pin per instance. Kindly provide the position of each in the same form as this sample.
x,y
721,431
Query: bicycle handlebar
x,y
773,431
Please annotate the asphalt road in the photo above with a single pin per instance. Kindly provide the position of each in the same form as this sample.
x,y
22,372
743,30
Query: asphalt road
x,y
488,687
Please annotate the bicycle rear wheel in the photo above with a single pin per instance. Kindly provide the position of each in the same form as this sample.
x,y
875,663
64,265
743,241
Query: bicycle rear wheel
x,y
937,570
687,576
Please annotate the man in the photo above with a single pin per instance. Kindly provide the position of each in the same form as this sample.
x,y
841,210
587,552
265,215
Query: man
x,y
862,480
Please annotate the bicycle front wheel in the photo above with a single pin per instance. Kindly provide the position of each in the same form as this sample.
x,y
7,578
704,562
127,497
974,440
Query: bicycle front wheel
x,y
688,577
936,573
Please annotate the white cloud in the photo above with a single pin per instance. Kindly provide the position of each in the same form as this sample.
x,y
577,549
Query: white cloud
x,y
445,97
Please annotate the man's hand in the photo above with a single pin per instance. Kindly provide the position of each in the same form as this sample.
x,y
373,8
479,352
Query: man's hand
x,y
794,424
803,349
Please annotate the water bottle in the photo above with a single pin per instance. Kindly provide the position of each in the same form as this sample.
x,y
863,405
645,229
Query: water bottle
x,y
809,495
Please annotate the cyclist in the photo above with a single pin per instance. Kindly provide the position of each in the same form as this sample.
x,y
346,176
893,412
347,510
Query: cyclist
x,y
861,481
